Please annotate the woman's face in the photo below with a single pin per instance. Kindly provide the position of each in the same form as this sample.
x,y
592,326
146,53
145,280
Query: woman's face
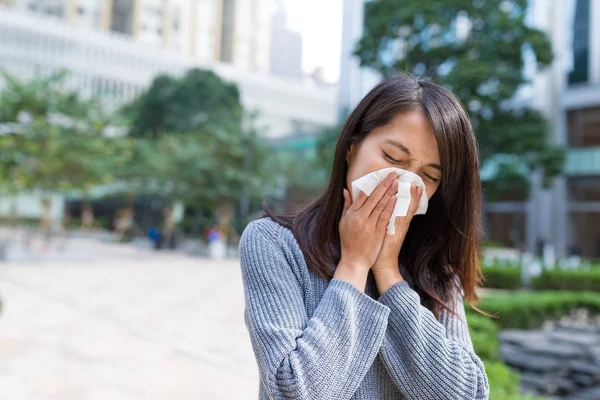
x,y
407,142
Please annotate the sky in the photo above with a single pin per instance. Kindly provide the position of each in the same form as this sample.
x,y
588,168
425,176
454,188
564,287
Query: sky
x,y
320,24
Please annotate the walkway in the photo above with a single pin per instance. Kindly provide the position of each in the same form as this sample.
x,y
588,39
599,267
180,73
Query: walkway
x,y
124,325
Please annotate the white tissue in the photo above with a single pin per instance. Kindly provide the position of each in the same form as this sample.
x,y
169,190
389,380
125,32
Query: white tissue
x,y
369,182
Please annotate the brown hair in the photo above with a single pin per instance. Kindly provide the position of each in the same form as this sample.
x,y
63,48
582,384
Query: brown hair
x,y
442,246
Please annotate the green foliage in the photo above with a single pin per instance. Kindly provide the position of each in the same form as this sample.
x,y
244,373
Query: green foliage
x,y
55,139
576,280
195,143
478,50
517,310
504,383
197,102
502,277
203,169
484,333
529,310
326,148
509,278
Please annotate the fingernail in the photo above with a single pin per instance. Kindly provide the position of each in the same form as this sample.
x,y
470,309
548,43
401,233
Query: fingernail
x,y
395,185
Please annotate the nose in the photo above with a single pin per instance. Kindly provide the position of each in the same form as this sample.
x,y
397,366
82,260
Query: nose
x,y
413,167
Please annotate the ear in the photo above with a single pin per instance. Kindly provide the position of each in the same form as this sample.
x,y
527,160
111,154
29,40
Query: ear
x,y
349,153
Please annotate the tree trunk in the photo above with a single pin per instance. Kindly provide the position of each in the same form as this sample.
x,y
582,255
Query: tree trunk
x,y
46,219
87,216
13,216
224,215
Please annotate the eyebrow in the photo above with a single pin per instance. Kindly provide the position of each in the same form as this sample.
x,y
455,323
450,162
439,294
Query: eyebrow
x,y
407,151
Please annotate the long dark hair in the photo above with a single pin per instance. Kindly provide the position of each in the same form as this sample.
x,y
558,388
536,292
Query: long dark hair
x,y
442,246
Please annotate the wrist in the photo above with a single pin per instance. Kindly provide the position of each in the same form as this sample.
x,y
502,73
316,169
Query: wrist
x,y
354,273
354,265
390,264
385,278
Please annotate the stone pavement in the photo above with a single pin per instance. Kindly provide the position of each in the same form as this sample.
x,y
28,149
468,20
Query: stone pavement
x,y
126,324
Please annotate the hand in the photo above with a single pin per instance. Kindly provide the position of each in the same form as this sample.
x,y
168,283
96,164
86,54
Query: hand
x,y
390,250
363,224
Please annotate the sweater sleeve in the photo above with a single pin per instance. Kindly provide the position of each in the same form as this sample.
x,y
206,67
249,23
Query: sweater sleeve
x,y
325,356
427,358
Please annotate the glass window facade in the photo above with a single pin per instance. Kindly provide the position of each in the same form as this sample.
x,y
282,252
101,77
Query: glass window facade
x,y
581,43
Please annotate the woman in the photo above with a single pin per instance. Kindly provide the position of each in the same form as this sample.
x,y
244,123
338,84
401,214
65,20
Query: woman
x,y
338,309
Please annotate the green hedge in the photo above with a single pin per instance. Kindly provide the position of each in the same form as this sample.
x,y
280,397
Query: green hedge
x,y
529,310
502,277
588,280
509,278
504,384
518,310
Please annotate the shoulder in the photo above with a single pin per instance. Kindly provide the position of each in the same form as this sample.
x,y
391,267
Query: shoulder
x,y
264,234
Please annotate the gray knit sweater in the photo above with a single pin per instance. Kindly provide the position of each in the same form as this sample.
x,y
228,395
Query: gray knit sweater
x,y
315,339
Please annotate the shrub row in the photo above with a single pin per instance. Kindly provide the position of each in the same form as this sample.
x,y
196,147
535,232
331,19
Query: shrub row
x,y
518,310
509,278
502,277
584,280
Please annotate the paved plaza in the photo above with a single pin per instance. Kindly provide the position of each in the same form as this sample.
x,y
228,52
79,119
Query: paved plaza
x,y
123,323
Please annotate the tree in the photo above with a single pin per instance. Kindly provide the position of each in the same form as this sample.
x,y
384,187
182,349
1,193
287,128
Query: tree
x,y
205,170
199,99
478,50
54,140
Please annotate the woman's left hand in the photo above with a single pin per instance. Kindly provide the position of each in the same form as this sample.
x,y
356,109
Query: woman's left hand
x,y
388,256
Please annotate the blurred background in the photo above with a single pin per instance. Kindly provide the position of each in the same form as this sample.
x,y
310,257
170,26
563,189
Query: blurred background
x,y
139,137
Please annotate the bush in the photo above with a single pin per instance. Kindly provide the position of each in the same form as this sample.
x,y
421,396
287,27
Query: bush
x,y
577,280
484,334
502,277
518,310
504,384
529,310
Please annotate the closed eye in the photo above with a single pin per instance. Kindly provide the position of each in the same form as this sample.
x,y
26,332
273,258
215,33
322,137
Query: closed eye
x,y
431,178
392,159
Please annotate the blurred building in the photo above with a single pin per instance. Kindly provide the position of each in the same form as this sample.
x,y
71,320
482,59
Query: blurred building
x,y
118,64
231,31
355,82
568,215
286,48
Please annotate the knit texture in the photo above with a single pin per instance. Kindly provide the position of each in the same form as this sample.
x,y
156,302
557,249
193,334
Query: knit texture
x,y
315,339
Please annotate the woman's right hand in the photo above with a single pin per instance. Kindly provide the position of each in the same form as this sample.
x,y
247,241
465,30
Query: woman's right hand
x,y
364,222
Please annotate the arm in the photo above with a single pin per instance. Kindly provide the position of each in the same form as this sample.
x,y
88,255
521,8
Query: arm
x,y
322,357
429,358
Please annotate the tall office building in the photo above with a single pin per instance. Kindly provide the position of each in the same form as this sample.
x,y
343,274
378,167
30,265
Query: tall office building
x,y
245,38
286,48
569,93
231,31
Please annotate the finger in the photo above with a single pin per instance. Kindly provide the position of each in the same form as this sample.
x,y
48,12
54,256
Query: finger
x,y
385,216
415,198
360,201
381,206
378,193
347,201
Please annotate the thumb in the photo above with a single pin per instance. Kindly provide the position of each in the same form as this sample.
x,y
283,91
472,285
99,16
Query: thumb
x,y
347,201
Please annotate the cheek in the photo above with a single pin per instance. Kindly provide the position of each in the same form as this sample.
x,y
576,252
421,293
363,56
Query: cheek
x,y
431,189
364,163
